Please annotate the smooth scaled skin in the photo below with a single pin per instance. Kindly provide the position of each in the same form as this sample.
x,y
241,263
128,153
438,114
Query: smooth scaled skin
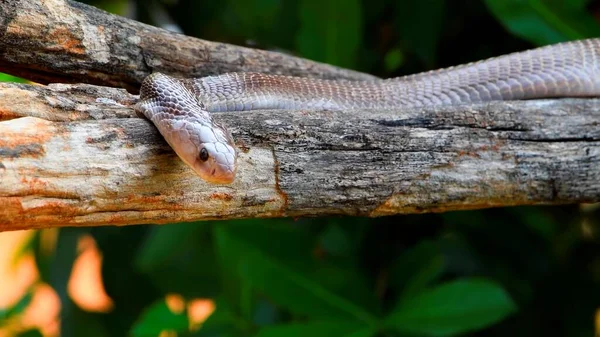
x,y
179,107
188,128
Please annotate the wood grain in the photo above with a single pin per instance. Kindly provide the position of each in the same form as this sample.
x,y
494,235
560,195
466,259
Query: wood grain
x,y
77,155
69,42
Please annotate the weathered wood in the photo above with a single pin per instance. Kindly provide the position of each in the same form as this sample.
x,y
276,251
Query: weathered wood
x,y
69,42
77,155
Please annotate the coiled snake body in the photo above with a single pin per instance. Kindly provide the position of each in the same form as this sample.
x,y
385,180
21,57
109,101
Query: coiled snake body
x,y
180,107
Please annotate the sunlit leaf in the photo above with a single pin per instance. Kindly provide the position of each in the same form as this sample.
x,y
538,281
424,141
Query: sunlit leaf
x,y
10,78
223,321
112,6
453,308
26,248
158,318
545,22
17,308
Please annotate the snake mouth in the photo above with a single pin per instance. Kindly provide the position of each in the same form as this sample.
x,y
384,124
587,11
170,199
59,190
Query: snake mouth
x,y
214,180
214,172
220,177
223,174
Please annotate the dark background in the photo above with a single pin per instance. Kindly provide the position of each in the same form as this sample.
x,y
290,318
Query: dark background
x,y
519,271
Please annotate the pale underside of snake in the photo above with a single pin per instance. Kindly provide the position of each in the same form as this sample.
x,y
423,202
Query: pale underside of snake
x,y
180,108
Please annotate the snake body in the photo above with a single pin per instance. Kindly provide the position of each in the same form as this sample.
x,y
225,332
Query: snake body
x,y
180,107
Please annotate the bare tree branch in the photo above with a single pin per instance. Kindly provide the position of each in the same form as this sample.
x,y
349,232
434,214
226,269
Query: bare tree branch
x,y
77,155
69,42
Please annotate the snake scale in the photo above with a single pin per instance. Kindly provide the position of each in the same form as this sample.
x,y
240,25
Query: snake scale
x,y
180,108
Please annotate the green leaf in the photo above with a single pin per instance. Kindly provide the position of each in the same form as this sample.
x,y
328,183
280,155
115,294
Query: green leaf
x,y
417,268
42,255
131,291
330,31
364,332
18,308
82,323
255,19
72,319
420,23
453,308
335,240
30,333
317,329
265,313
393,59
577,4
506,249
111,6
544,22
10,78
280,268
539,221
180,258
63,259
342,237
223,321
27,247
157,318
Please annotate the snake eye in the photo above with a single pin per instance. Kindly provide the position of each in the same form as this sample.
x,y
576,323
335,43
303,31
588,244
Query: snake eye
x,y
203,154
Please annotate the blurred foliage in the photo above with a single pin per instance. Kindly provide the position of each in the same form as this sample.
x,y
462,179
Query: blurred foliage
x,y
526,271
11,317
11,78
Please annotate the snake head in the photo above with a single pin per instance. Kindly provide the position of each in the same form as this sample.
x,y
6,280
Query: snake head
x,y
207,149
202,144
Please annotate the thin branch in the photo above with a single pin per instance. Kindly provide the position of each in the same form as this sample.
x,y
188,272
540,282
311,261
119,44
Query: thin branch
x,y
69,42
77,155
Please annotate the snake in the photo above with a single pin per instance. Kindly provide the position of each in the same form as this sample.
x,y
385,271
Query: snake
x,y
181,108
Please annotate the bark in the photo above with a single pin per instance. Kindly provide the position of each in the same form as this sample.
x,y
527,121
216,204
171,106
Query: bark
x,y
69,42
77,155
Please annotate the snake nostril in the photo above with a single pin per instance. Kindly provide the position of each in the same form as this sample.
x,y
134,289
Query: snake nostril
x,y
213,171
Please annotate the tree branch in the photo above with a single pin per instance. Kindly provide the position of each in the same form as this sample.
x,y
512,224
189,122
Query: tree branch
x,y
69,42
78,155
